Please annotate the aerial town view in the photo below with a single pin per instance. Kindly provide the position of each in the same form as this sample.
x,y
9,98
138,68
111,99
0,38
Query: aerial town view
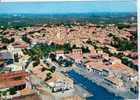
x,y
69,50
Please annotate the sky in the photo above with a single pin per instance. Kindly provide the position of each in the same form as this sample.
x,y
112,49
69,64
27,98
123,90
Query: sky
x,y
36,0
68,7
59,0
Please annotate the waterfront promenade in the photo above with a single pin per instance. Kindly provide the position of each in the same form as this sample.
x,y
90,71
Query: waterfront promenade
x,y
98,91
97,79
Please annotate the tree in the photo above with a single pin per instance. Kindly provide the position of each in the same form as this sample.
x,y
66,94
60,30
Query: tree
x,y
74,46
48,76
6,40
36,62
89,41
4,93
122,44
85,50
53,69
0,94
67,63
110,34
60,60
16,58
43,69
121,26
26,39
25,51
94,45
12,40
53,57
67,47
12,91
43,49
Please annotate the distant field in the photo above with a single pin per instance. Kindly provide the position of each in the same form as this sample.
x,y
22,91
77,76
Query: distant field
x,y
19,20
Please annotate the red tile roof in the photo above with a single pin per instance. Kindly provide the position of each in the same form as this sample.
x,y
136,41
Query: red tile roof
x,y
21,46
119,67
96,65
11,79
27,97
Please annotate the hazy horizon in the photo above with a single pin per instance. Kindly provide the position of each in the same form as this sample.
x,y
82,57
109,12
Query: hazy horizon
x,y
68,7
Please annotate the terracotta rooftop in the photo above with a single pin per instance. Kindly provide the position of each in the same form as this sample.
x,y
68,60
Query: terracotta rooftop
x,y
75,56
10,79
119,66
27,97
114,58
20,45
99,66
37,69
113,79
132,29
57,77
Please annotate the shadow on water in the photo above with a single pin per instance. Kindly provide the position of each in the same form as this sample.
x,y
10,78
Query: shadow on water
x,y
98,92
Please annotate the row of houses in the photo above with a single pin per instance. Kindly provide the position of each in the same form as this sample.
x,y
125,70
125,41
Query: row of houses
x,y
111,68
57,82
14,81
14,84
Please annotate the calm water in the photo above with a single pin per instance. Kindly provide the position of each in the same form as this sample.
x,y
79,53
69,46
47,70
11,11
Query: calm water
x,y
99,92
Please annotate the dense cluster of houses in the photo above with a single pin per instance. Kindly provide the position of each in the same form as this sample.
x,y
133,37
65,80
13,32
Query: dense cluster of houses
x,y
15,74
111,68
15,78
